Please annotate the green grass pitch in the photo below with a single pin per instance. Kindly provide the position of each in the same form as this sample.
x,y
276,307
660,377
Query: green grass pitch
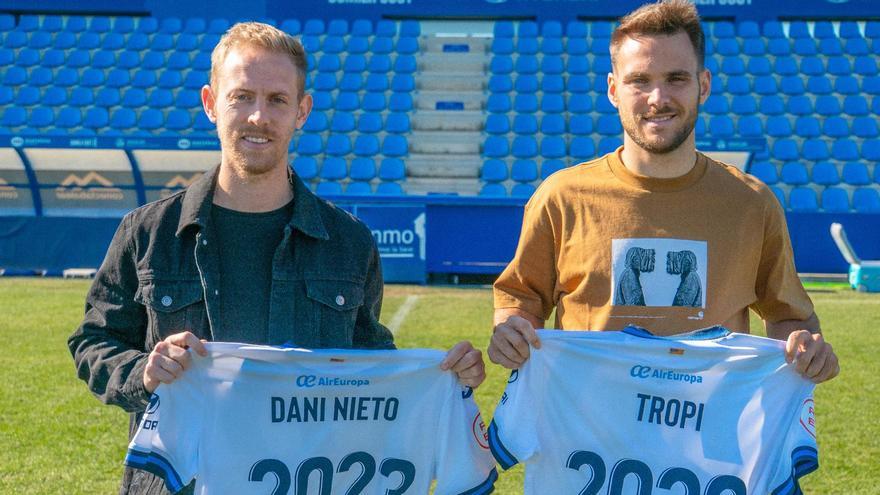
x,y
55,438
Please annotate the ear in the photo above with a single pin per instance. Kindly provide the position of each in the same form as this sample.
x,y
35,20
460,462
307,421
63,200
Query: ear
x,y
705,85
305,108
209,103
612,89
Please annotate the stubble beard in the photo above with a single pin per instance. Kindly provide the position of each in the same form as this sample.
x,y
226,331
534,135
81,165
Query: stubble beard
x,y
662,146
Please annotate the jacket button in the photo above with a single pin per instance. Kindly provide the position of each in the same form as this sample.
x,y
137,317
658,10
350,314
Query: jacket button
x,y
166,301
204,242
340,300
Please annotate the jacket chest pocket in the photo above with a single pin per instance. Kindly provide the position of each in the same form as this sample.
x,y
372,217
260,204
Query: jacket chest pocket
x,y
334,305
172,306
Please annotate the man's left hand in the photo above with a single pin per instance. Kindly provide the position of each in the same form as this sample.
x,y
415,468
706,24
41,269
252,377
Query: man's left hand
x,y
467,364
814,358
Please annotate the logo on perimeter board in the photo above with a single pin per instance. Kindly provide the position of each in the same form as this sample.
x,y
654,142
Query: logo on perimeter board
x,y
808,418
479,430
153,406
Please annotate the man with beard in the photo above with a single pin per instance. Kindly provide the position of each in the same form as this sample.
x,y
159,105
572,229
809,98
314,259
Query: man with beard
x,y
246,254
656,190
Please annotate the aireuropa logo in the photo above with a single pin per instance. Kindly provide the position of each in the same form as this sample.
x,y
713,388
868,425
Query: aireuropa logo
x,y
837,1
17,142
93,186
153,406
184,144
310,381
644,372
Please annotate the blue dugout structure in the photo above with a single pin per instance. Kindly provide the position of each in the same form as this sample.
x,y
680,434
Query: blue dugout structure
x,y
61,199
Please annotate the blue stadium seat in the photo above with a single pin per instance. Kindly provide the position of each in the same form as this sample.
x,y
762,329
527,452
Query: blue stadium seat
x,y
577,65
785,66
358,45
552,103
721,126
771,105
583,148
27,96
603,105
403,83
765,85
366,145
334,168
27,58
871,150
871,85
855,105
92,78
107,97
839,66
856,174
410,28
372,102
601,64
551,147
178,120
306,167
81,97
553,64
503,29
549,167
348,102
395,145
151,119
576,47
759,66
819,85
123,118
289,26
865,127
391,169
7,95
716,105
830,47
792,85
359,188
608,125
40,77
800,105
53,96
525,103
835,127
522,190
195,25
738,85
376,83
599,45
361,27
552,46
39,40
170,25
379,64
815,150
580,104
825,173
527,29
317,122
309,145
750,126
134,98
369,123
845,150
748,29
118,78
805,47
324,81
313,27
400,102
553,124
493,170
328,188
152,60
389,189
333,45
700,127
397,123
576,29
498,103
500,83
202,125
727,46
872,29
14,117
754,47
802,199
794,174
186,42
405,64
866,200
743,105
179,61
846,85
525,124
492,190
350,82
524,147
526,64
578,84
733,66
381,45
338,145
553,84
765,171
329,62
407,45
785,150
362,168
170,79
41,117
355,64
856,47
527,83
835,199
496,147
807,126
865,66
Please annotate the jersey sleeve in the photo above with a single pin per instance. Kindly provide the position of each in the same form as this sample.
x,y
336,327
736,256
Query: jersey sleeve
x,y
799,454
166,441
512,434
464,465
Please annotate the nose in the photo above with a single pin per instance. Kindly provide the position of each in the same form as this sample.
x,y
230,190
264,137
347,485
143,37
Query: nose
x,y
257,116
658,96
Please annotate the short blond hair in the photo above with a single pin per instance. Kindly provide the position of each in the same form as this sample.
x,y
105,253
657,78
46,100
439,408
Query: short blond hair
x,y
258,34
666,17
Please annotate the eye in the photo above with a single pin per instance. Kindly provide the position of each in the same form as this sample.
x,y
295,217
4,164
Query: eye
x,y
241,97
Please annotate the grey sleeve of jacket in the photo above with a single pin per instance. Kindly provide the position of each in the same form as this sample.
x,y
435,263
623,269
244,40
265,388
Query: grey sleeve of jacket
x,y
108,347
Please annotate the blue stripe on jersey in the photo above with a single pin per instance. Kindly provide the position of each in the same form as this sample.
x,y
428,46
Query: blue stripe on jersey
x,y
505,459
485,487
804,460
710,333
156,464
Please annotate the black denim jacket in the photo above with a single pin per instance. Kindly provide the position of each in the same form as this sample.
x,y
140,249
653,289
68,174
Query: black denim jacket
x,y
161,277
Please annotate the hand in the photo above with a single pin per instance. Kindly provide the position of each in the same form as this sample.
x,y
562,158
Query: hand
x,y
510,342
815,358
467,363
170,359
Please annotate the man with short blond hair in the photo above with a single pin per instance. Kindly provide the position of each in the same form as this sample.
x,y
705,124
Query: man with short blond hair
x,y
719,236
246,254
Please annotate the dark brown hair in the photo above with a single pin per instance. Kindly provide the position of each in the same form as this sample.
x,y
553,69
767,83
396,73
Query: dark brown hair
x,y
666,17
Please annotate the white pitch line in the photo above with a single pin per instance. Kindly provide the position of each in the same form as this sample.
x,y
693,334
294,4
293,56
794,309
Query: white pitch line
x,y
402,313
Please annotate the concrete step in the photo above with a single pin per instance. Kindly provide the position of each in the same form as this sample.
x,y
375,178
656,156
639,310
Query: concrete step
x,y
440,44
471,100
445,142
432,120
453,62
423,186
451,81
445,165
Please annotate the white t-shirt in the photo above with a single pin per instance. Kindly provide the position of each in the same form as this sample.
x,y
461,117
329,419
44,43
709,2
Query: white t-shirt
x,y
705,413
260,419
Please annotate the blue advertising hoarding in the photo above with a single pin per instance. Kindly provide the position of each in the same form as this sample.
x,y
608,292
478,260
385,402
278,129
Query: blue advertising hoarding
x,y
400,234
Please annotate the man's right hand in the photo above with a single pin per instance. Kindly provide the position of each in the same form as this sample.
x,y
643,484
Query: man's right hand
x,y
513,334
170,359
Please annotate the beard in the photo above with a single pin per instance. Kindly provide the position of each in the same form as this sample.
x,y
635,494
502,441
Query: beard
x,y
251,162
662,146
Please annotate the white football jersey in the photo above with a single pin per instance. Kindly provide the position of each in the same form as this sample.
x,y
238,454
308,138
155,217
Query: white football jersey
x,y
272,420
705,413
